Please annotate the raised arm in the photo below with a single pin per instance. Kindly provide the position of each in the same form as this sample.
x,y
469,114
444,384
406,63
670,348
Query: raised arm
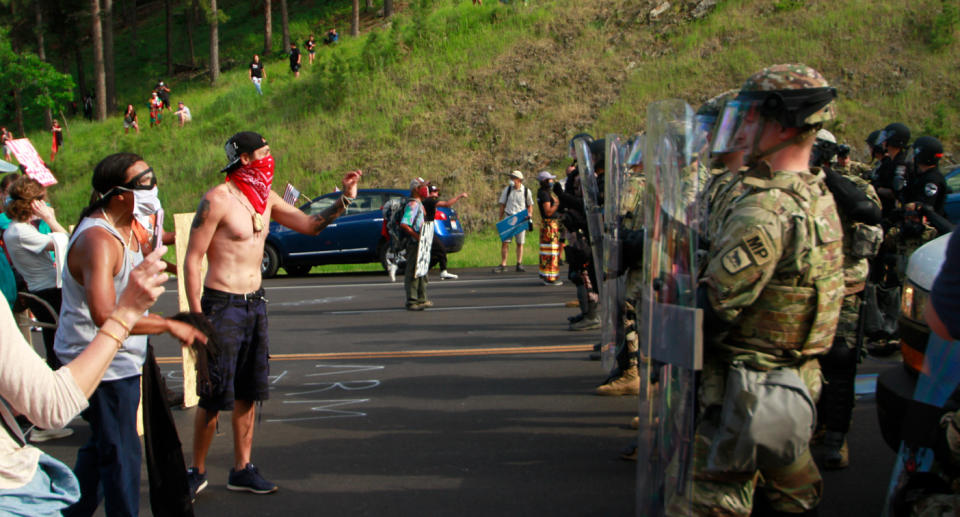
x,y
450,202
291,217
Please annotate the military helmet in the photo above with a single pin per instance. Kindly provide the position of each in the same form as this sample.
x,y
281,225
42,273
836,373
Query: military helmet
x,y
794,95
927,150
895,135
826,136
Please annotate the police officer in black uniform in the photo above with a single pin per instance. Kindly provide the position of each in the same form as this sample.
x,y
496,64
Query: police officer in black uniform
x,y
926,184
890,177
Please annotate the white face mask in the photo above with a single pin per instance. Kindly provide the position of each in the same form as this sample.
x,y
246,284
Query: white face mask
x,y
146,203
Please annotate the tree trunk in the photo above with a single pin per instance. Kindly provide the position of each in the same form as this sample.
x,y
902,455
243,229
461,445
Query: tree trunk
x,y
355,20
387,8
81,75
267,27
188,15
368,6
168,11
214,43
100,79
285,21
42,54
110,76
18,113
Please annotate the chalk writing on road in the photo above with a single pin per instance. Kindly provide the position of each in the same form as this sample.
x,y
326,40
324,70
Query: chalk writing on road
x,y
324,409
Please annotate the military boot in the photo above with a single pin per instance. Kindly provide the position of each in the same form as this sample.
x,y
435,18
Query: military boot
x,y
628,383
590,321
835,455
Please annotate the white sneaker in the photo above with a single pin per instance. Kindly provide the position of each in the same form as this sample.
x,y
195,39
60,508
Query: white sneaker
x,y
42,435
447,276
392,271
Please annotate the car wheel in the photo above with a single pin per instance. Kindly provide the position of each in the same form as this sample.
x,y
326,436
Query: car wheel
x,y
271,262
301,270
383,250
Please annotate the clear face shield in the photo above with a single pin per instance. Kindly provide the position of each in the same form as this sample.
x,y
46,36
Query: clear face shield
x,y
635,153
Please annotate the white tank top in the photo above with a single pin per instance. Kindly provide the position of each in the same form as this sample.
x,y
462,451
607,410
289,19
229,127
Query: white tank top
x,y
77,329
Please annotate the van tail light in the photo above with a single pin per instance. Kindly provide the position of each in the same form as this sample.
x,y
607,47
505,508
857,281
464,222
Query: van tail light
x,y
440,216
912,358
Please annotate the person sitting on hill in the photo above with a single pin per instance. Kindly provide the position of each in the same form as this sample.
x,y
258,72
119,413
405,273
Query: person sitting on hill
x,y
331,37
183,114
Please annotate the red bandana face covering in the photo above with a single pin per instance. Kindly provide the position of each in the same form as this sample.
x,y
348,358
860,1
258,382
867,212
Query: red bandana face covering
x,y
254,180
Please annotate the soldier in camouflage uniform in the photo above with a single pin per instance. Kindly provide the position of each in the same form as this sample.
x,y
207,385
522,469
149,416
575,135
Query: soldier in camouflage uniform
x,y
860,215
849,167
902,240
774,287
626,381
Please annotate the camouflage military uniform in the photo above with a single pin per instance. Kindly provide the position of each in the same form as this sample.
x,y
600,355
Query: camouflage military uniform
x,y
900,246
856,169
628,382
776,253
835,408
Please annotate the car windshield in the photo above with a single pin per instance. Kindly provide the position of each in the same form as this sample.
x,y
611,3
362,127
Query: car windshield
x,y
320,205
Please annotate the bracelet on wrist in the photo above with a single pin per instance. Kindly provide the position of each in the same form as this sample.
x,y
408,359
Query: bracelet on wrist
x,y
346,201
122,323
113,336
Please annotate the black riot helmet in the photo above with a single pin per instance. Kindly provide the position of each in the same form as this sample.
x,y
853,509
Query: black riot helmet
x,y
895,135
927,150
578,136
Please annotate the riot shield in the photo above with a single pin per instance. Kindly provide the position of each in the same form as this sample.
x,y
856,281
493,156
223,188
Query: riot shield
x,y
611,282
670,325
591,203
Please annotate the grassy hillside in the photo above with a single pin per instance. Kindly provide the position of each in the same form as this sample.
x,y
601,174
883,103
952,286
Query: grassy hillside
x,y
461,95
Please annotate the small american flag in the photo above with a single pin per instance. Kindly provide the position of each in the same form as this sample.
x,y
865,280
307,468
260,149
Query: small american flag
x,y
291,194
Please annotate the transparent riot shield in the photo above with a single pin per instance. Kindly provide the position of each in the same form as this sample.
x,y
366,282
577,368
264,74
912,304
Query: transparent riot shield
x,y
670,325
591,203
611,282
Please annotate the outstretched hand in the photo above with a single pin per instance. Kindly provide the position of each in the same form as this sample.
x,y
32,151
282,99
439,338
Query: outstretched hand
x,y
350,183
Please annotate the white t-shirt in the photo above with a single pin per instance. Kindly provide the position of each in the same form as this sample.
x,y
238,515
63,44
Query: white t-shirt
x,y
516,200
26,246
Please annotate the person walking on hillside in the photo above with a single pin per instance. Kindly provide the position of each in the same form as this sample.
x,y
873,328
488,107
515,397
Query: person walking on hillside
x,y
5,136
549,204
155,106
331,37
163,91
311,46
514,199
130,120
57,133
257,73
294,59
230,228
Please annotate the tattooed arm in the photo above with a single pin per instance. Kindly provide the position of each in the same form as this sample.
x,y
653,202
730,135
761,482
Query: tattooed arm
x,y
205,223
292,218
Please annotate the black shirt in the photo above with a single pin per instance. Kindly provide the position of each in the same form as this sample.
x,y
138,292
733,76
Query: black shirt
x,y
928,188
887,177
256,69
430,208
546,195
294,56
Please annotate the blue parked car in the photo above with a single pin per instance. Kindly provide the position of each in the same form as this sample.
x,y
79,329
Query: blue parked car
x,y
952,205
353,238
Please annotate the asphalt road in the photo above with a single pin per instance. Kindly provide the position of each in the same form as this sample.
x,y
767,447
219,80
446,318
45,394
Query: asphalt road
x,y
480,406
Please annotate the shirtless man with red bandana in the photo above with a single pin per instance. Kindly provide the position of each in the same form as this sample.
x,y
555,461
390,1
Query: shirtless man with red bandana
x,y
230,228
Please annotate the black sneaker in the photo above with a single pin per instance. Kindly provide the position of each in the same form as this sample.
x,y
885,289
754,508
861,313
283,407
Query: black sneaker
x,y
249,480
520,268
500,269
197,482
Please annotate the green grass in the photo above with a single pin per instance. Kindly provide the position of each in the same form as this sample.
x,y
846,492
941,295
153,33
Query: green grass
x,y
461,95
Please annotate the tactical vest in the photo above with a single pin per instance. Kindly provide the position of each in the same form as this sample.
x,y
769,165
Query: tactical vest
x,y
797,316
861,241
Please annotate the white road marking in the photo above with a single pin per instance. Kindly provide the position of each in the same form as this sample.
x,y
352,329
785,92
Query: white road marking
x,y
370,284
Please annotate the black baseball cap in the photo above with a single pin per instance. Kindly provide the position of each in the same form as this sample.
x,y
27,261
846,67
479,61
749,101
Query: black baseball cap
x,y
243,142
